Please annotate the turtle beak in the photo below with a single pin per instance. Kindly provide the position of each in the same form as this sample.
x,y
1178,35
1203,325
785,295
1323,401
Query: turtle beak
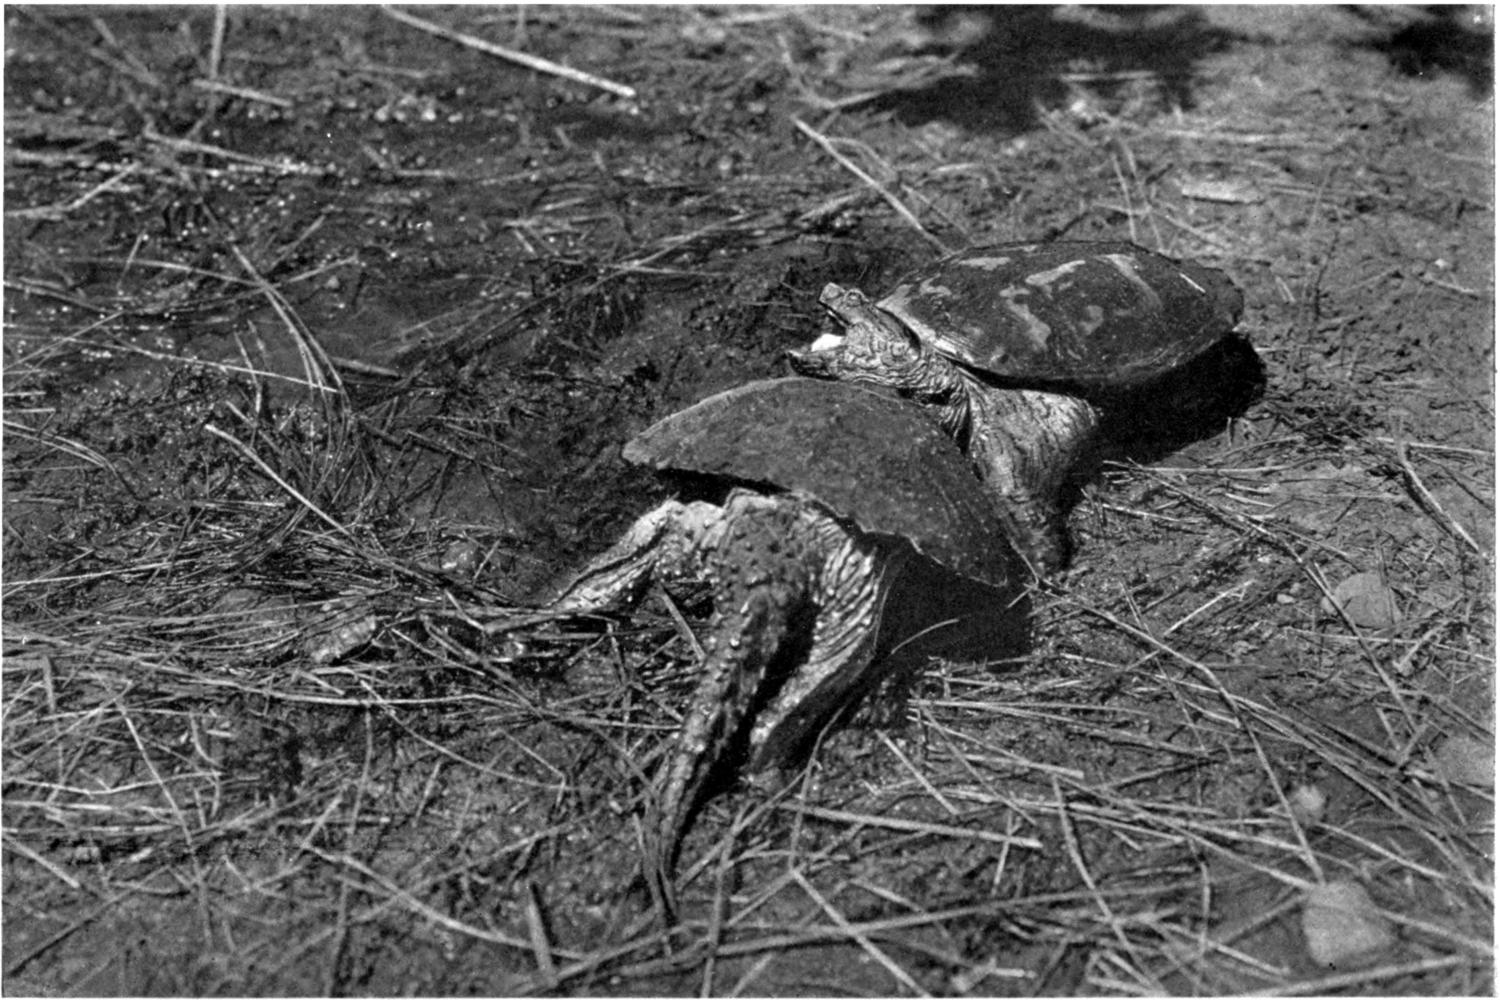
x,y
815,358
822,357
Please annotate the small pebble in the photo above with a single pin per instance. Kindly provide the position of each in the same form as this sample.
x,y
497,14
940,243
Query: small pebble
x,y
1366,599
1341,924
460,558
1466,760
1308,803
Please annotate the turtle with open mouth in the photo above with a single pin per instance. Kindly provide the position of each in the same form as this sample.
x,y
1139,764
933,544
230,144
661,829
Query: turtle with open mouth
x,y
1026,351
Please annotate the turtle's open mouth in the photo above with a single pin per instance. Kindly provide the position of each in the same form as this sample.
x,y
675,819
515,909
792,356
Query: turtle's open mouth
x,y
820,358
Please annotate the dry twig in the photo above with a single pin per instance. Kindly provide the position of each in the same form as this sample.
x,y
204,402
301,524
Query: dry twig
x,y
530,62
827,146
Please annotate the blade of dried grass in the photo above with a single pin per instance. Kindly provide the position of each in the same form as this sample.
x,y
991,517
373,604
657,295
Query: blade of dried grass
x,y
826,145
319,368
17,846
865,943
200,883
340,936
1130,210
1430,504
1187,960
917,774
511,55
265,468
999,753
19,964
216,41
599,961
1414,867
410,902
130,69
680,621
718,909
1201,826
248,369
1075,854
811,934
145,74
910,825
1392,791
1068,716
251,283
388,707
1352,979
1276,781
192,146
765,893
536,931
243,93
49,291
1457,450
931,726
60,210
70,447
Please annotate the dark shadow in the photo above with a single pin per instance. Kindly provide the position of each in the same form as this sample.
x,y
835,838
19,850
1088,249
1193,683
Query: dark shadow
x,y
1444,38
1194,402
1029,56
1146,423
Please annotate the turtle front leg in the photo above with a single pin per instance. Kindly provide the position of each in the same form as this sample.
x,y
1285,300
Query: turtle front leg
x,y
666,544
1026,445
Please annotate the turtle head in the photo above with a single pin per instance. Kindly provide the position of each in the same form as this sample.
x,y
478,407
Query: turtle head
x,y
866,345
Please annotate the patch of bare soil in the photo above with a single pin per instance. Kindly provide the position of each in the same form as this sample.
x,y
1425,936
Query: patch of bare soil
x,y
324,327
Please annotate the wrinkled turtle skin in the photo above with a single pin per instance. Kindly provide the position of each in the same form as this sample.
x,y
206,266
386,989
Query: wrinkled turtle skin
x,y
848,540
1015,345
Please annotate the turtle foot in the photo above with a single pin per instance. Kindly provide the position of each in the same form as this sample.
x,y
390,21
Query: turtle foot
x,y
1027,446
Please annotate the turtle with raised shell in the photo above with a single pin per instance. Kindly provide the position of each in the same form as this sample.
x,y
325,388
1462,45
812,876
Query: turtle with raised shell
x,y
1015,346
843,538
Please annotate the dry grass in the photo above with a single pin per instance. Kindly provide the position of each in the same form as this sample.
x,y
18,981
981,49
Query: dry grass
x,y
300,420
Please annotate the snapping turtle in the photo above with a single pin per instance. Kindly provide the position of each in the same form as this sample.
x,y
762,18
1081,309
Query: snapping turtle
x,y
1017,345
846,539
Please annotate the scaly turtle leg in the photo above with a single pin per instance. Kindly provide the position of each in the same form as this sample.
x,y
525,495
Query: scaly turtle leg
x,y
764,571
798,600
1026,444
853,582
667,544
793,591
749,549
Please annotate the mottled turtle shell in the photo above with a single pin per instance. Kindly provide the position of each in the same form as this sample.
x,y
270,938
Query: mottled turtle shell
x,y
1085,313
868,458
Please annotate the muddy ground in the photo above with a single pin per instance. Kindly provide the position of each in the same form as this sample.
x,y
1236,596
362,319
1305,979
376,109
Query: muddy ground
x,y
323,333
